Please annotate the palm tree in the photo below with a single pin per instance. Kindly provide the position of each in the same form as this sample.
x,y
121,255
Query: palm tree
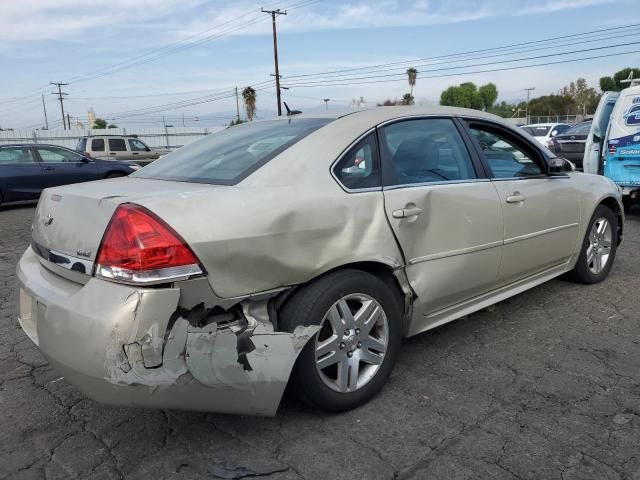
x,y
249,96
412,75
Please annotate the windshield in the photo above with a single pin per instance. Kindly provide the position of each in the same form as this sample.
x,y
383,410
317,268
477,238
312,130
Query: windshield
x,y
580,129
537,131
227,157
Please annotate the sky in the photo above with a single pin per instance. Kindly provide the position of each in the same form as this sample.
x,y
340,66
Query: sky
x,y
135,61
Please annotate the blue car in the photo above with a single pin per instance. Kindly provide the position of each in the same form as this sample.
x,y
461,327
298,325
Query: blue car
x,y
25,170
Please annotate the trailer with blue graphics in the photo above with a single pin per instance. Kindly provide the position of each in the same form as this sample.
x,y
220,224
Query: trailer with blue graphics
x,y
613,145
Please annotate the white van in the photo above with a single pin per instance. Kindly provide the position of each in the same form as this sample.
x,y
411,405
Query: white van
x,y
613,145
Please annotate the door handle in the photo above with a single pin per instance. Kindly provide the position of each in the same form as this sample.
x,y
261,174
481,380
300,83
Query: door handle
x,y
406,212
48,169
112,153
516,198
135,153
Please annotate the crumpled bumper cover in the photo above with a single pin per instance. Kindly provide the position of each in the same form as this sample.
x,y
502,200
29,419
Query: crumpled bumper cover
x,y
123,345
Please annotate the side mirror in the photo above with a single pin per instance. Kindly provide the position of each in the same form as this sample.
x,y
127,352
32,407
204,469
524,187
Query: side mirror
x,y
596,138
85,160
558,167
147,149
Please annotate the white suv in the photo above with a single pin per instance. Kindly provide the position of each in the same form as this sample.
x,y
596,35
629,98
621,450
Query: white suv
x,y
117,147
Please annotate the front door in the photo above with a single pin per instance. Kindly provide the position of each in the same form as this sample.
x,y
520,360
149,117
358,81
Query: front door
x,y
541,213
62,166
446,216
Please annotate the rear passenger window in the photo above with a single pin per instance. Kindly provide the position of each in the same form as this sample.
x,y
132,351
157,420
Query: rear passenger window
x,y
424,151
97,145
15,155
360,166
117,145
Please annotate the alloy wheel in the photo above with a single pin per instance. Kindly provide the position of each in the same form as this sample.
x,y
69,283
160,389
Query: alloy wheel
x,y
351,343
599,248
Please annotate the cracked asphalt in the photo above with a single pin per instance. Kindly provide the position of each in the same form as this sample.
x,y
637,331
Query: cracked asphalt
x,y
545,385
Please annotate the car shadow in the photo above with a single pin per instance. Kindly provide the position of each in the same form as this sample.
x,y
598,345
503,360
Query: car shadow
x,y
18,205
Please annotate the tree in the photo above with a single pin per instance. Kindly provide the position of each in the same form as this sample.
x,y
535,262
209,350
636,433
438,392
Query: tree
x,y
249,97
585,98
489,95
112,125
99,123
613,83
412,75
407,99
465,95
389,103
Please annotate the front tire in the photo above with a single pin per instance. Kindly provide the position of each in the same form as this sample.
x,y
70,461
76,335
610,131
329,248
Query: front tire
x,y
598,248
349,360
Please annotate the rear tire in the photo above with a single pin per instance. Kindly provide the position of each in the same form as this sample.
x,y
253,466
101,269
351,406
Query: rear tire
x,y
598,247
349,360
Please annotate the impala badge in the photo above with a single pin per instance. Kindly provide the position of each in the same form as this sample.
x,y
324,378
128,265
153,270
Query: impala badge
x,y
48,220
84,253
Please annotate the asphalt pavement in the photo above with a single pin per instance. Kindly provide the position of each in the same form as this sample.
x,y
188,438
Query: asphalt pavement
x,y
545,385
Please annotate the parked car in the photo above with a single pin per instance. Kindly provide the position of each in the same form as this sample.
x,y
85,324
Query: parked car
x,y
118,147
570,144
213,277
613,144
25,170
544,132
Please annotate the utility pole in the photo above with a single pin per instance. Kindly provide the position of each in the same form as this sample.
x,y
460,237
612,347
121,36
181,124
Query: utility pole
x,y
273,14
69,121
237,107
528,90
326,103
61,95
183,120
44,107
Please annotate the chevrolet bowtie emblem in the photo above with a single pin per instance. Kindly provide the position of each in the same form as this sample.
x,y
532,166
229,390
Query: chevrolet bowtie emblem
x,y
48,220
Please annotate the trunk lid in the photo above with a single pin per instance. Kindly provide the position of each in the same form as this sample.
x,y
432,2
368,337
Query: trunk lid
x,y
70,221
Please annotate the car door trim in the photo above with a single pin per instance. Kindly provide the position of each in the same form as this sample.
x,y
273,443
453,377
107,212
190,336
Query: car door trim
x,y
539,233
453,253
435,184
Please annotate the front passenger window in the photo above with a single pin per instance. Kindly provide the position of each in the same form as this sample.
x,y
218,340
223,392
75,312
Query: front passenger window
x,y
505,157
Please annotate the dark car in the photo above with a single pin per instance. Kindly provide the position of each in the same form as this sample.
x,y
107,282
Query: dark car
x,y
570,144
25,170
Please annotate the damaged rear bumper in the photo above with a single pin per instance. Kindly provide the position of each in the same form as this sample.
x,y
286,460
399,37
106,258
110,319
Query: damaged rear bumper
x,y
131,346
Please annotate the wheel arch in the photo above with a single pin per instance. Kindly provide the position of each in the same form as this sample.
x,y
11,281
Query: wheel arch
x,y
393,276
614,205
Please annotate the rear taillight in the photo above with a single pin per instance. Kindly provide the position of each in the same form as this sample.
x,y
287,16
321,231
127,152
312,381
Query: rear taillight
x,y
612,149
138,247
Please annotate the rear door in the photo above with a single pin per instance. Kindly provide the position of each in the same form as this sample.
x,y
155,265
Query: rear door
x,y
541,213
445,214
98,148
592,161
62,166
21,177
117,147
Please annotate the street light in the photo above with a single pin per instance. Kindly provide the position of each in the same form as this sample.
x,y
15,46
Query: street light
x,y
326,103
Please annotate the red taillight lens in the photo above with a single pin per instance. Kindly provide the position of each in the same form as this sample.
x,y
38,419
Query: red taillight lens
x,y
139,247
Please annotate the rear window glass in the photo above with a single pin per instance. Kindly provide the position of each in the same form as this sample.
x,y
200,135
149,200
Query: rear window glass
x,y
227,157
97,145
537,131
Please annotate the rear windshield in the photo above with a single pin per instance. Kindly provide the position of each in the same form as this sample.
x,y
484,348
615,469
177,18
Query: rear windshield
x,y
227,157
537,131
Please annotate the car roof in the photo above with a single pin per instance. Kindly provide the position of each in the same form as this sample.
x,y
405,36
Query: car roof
x,y
376,115
34,145
545,124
